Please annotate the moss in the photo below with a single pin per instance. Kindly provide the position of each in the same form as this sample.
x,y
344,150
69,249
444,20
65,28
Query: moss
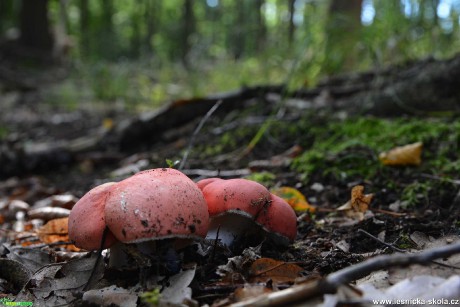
x,y
349,149
3,132
265,178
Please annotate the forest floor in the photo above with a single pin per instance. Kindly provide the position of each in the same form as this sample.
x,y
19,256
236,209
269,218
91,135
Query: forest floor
x,y
321,154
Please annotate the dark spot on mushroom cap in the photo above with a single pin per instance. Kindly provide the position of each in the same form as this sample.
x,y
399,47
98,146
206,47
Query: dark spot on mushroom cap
x,y
123,231
192,228
145,223
169,231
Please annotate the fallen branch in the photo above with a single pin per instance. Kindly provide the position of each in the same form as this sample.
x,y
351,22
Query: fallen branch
x,y
331,283
195,133
217,173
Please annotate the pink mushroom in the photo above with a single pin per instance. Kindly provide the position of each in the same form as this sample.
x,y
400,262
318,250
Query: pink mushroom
x,y
279,220
155,205
240,206
87,219
152,205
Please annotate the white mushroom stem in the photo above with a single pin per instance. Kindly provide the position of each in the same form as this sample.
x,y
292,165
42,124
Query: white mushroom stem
x,y
230,226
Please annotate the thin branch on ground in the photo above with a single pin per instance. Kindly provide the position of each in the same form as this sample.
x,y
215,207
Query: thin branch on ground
x,y
381,241
215,173
403,250
196,131
332,282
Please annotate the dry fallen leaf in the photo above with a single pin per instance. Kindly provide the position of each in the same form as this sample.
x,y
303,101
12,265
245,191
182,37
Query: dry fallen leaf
x,y
403,155
294,198
56,231
250,291
265,269
358,204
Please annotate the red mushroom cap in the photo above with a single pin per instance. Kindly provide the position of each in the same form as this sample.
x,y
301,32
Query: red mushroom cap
x,y
204,182
241,196
254,201
87,219
156,204
279,218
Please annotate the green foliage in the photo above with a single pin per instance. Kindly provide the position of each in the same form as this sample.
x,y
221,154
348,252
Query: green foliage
x,y
416,192
3,132
349,148
265,178
152,298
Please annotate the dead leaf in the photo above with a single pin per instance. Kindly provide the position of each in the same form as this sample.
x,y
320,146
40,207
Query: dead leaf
x,y
48,213
294,198
250,291
66,201
56,231
403,155
359,201
56,283
265,269
178,291
111,296
358,204
239,263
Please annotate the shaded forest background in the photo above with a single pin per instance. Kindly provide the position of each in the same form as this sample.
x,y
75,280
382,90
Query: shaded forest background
x,y
139,54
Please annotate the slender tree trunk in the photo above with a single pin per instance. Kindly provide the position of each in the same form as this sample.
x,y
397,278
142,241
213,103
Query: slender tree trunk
x,y
261,32
107,40
187,30
85,46
136,34
239,42
341,51
150,15
291,29
62,42
6,8
34,25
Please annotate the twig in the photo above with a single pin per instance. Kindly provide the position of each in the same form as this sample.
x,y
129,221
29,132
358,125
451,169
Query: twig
x,y
382,242
214,246
98,259
403,250
215,173
331,283
196,131
429,176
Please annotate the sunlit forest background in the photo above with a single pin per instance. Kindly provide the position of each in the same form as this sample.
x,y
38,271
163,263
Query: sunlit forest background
x,y
139,54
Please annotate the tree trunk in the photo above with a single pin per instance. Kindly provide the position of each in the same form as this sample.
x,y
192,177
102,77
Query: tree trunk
x,y
35,29
291,29
341,53
107,40
136,34
187,30
151,7
85,46
261,32
239,36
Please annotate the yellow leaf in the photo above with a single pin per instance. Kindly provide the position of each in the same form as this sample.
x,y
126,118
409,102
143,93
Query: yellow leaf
x,y
294,198
404,155
107,123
